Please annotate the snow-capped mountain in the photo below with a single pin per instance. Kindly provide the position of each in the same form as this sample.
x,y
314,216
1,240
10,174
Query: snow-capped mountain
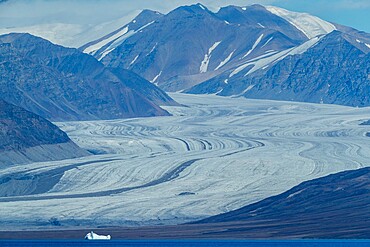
x,y
191,44
333,69
104,45
243,51
26,137
61,83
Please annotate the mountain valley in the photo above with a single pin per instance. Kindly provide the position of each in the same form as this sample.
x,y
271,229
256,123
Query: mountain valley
x,y
241,122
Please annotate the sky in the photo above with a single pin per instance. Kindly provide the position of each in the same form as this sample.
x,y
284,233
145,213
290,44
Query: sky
x,y
14,13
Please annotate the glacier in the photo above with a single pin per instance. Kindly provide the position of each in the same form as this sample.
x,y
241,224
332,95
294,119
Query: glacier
x,y
213,155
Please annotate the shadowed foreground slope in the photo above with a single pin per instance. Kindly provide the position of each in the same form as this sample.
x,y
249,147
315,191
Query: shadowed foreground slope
x,y
335,206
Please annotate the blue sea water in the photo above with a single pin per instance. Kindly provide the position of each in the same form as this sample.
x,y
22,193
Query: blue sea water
x,y
189,243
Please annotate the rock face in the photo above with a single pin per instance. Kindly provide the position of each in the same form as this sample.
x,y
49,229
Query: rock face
x,y
335,206
61,83
191,44
26,137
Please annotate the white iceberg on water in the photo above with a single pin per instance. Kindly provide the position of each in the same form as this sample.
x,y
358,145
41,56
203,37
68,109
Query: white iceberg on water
x,y
93,236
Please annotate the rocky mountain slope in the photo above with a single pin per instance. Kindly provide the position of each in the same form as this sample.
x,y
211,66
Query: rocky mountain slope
x,y
61,83
26,137
333,69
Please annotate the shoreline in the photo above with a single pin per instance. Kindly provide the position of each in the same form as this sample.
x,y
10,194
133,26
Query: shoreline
x,y
243,230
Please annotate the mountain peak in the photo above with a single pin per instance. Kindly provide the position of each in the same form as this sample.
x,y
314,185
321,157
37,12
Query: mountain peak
x,y
192,9
146,16
11,37
26,40
239,15
147,13
339,37
199,5
242,8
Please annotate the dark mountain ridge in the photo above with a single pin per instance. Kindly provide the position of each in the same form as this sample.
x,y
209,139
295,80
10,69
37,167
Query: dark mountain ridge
x,y
65,84
26,137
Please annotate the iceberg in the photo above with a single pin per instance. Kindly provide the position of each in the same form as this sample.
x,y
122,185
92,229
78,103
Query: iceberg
x,y
93,236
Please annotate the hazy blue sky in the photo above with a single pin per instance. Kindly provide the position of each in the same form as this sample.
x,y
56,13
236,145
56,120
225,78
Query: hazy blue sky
x,y
353,13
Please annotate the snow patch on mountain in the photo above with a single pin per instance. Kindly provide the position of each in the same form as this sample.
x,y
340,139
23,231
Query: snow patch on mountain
x,y
311,26
361,42
265,60
116,43
204,64
250,87
94,48
258,62
263,63
201,6
254,46
268,41
105,53
113,41
152,49
156,77
238,69
305,46
134,60
225,61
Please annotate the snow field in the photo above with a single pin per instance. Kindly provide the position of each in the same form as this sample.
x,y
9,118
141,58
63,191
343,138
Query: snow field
x,y
309,25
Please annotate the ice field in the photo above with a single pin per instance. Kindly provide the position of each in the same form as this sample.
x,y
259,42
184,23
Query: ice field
x,y
215,154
